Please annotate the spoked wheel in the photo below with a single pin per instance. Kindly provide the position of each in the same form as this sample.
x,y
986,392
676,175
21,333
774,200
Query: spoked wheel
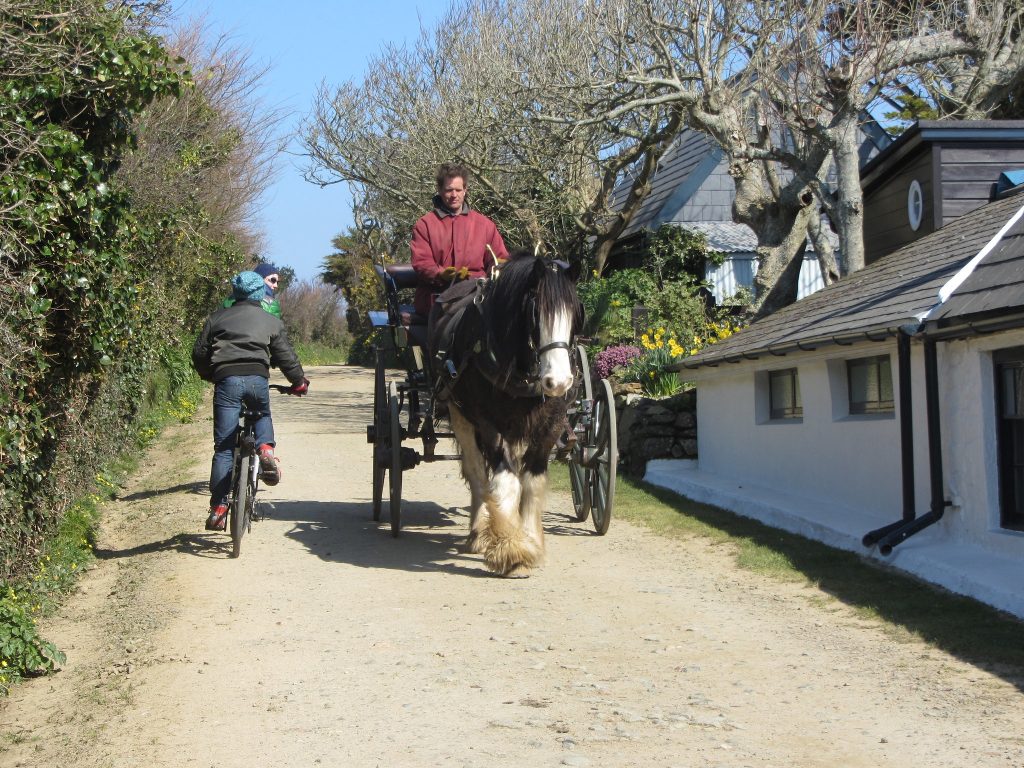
x,y
380,433
394,411
241,505
579,421
603,459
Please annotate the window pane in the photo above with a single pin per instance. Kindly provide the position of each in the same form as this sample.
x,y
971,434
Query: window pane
x,y
870,384
885,381
1009,397
784,394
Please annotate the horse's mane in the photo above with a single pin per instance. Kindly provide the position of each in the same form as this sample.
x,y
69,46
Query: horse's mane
x,y
525,282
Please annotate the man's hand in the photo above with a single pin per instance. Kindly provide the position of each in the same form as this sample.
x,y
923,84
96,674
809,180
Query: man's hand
x,y
448,274
299,389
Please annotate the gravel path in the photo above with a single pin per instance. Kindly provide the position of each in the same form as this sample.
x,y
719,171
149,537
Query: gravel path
x,y
330,643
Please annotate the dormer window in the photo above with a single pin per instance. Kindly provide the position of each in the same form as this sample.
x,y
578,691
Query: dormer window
x,y
915,204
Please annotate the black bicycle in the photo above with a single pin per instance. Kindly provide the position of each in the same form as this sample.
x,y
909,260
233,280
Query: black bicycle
x,y
245,476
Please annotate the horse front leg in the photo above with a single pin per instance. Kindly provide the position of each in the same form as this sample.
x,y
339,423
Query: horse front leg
x,y
474,472
510,551
531,506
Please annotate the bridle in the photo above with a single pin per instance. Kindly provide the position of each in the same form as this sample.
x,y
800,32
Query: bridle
x,y
521,383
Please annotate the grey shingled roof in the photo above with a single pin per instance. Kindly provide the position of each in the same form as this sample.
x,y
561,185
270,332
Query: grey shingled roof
x,y
675,167
732,237
995,285
725,236
898,289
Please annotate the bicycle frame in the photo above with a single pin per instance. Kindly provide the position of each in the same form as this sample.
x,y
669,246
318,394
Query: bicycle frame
x,y
245,478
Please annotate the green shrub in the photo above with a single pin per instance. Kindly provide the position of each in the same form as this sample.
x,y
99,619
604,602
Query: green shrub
x,y
22,651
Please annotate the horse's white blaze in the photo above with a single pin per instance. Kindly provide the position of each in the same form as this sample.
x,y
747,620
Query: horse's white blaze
x,y
555,365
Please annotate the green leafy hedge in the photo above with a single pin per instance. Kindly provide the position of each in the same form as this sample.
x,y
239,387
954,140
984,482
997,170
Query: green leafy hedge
x,y
95,319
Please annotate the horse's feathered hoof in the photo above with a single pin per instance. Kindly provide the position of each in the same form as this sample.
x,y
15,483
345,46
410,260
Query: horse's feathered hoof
x,y
518,572
477,543
506,555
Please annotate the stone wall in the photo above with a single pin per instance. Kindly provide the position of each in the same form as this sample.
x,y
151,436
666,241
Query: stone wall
x,y
654,429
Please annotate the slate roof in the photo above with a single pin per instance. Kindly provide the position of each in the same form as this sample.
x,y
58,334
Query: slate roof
x,y
725,236
902,288
676,166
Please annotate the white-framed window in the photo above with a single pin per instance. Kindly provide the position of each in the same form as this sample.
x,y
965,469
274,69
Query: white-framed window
x,y
784,394
869,385
915,204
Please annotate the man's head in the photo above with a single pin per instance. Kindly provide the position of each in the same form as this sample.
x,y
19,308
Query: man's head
x,y
247,286
268,272
452,181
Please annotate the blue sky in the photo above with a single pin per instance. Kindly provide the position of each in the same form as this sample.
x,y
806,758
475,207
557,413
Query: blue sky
x,y
305,43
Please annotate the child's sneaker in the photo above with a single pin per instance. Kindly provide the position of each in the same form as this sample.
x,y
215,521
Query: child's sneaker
x,y
218,518
270,465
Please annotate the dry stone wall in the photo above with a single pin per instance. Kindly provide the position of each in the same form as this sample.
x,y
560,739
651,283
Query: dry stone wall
x,y
651,428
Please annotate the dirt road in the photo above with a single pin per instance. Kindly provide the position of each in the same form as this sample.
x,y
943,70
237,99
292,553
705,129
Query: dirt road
x,y
330,643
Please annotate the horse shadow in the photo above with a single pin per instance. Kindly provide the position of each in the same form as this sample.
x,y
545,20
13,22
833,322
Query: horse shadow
x,y
344,532
432,538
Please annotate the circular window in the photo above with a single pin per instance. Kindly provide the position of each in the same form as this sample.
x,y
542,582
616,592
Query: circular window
x,y
915,204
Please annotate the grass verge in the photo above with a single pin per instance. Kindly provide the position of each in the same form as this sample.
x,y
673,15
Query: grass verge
x,y
312,353
905,607
63,556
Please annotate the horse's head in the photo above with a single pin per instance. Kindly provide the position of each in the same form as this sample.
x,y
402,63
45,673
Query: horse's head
x,y
534,317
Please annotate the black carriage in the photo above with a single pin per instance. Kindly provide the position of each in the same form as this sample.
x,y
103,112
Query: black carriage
x,y
407,409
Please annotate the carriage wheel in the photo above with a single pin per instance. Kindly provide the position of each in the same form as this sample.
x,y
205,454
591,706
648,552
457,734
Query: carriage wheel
x,y
579,479
584,372
604,458
380,447
396,460
578,476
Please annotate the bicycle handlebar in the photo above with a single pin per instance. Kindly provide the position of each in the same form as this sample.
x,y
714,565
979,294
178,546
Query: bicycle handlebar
x,y
288,390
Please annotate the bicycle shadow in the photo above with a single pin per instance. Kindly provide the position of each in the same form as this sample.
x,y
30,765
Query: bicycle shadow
x,y
198,488
199,544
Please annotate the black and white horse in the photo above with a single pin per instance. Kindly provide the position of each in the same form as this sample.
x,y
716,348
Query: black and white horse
x,y
506,373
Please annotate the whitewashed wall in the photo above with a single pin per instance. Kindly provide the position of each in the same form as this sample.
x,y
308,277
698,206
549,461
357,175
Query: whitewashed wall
x,y
967,396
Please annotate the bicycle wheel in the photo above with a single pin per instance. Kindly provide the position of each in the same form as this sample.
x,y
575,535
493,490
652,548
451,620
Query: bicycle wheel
x,y
604,458
240,508
380,416
396,462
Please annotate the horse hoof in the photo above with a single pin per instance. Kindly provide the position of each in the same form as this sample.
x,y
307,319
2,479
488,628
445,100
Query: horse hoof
x,y
517,572
476,544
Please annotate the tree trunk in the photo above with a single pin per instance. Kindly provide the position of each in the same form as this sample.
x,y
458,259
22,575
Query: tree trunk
x,y
849,196
823,250
780,223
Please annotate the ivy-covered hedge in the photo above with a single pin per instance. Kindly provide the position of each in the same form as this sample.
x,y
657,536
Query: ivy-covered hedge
x,y
90,312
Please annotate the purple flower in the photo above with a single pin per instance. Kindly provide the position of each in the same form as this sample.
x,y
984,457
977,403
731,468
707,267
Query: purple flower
x,y
607,360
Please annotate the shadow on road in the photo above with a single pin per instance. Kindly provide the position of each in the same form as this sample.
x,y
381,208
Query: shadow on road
x,y
200,488
431,538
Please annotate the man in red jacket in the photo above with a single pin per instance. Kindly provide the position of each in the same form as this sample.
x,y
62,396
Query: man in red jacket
x,y
451,242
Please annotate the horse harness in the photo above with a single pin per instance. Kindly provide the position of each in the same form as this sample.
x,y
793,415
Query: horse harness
x,y
455,303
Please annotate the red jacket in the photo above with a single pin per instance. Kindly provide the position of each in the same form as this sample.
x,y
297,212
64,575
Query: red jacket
x,y
442,239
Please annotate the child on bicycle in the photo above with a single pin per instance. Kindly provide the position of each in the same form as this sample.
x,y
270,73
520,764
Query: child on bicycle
x,y
235,350
270,276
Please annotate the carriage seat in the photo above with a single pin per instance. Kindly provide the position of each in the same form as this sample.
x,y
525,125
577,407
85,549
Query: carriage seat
x,y
396,277
403,275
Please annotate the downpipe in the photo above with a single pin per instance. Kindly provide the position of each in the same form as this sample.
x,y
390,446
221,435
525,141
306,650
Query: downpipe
x,y
906,439
938,500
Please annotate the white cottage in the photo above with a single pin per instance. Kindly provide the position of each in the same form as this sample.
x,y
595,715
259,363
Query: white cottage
x,y
884,414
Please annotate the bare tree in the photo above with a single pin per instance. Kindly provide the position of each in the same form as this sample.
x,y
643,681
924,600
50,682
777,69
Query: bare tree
x,y
783,88
476,97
